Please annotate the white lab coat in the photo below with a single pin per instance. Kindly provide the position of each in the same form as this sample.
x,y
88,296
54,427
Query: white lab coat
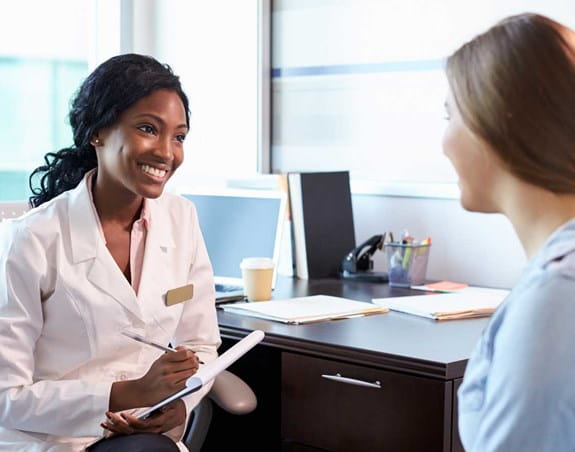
x,y
63,303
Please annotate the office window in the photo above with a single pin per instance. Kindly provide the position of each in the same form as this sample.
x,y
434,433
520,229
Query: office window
x,y
213,47
43,58
359,84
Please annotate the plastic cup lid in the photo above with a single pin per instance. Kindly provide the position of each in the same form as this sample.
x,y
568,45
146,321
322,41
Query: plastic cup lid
x,y
256,262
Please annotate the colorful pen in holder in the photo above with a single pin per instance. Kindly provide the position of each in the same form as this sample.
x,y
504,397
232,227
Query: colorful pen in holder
x,y
407,262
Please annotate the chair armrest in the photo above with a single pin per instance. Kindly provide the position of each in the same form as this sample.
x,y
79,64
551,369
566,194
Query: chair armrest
x,y
232,394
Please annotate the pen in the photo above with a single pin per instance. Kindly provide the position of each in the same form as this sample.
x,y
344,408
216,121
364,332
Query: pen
x,y
143,340
406,256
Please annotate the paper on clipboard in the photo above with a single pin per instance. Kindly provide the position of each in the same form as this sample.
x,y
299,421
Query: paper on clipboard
x,y
209,371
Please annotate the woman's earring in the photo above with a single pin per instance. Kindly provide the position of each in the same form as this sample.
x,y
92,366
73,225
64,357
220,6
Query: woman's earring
x,y
97,141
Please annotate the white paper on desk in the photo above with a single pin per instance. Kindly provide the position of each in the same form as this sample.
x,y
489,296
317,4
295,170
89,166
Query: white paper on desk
x,y
305,309
209,371
477,302
468,289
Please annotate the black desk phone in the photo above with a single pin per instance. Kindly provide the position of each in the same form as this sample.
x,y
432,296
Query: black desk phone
x,y
358,263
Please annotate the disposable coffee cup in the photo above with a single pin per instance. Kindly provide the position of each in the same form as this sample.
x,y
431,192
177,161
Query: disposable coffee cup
x,y
257,273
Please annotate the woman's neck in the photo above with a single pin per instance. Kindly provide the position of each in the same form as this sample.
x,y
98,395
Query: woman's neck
x,y
536,213
114,206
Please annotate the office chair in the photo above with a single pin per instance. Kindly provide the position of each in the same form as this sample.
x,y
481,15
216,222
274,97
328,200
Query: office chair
x,y
231,394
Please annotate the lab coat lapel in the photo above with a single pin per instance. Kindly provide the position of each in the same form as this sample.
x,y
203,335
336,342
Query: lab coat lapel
x,y
87,243
159,244
106,274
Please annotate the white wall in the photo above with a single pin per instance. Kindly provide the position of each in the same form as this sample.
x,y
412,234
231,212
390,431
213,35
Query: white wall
x,y
478,249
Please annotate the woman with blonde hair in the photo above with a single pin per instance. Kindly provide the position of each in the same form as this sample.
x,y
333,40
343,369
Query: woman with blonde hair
x,y
511,139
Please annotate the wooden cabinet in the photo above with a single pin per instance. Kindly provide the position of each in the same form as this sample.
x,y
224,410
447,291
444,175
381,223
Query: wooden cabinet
x,y
419,364
456,445
338,406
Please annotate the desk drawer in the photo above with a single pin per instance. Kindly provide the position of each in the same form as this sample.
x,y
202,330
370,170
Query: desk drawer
x,y
391,412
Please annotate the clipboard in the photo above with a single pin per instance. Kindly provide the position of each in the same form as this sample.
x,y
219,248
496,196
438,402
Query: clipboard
x,y
209,371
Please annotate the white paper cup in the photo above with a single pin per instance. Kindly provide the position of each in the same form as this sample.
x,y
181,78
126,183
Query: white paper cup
x,y
257,273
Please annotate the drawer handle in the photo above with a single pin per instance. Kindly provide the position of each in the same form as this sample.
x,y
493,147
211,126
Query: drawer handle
x,y
352,381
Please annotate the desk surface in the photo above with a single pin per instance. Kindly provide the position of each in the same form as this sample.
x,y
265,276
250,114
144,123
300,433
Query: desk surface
x,y
394,340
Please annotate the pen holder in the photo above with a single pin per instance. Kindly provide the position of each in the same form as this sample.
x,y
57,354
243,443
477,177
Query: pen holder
x,y
407,263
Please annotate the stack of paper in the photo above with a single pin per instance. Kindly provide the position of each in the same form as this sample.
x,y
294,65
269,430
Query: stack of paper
x,y
305,309
466,303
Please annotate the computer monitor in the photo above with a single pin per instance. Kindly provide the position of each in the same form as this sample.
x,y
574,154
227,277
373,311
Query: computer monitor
x,y
239,223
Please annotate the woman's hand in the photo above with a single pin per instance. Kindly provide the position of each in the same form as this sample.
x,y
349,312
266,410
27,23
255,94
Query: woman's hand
x,y
166,376
168,418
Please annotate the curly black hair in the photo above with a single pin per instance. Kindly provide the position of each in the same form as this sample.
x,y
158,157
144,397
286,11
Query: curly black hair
x,y
105,94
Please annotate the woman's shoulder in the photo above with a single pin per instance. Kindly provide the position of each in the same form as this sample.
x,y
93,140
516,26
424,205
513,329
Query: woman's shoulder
x,y
562,267
40,219
35,230
549,276
543,300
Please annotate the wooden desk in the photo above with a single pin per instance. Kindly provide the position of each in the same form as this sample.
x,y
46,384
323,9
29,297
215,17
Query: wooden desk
x,y
418,362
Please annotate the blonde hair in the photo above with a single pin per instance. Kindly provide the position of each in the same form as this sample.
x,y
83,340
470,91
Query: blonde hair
x,y
514,86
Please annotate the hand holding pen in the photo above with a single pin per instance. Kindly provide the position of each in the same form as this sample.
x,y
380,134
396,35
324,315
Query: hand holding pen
x,y
166,375
143,340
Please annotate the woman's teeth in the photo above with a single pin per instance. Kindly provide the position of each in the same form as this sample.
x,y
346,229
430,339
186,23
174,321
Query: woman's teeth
x,y
153,171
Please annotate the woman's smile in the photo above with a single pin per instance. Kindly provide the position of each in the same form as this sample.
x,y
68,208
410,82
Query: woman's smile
x,y
156,173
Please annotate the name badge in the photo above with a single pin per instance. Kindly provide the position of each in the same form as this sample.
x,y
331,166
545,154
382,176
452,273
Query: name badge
x,y
179,294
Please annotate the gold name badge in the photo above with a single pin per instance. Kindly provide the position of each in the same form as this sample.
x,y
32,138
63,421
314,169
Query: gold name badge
x,y
179,294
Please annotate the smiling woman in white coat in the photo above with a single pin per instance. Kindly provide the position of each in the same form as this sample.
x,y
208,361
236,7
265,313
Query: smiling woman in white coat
x,y
98,255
